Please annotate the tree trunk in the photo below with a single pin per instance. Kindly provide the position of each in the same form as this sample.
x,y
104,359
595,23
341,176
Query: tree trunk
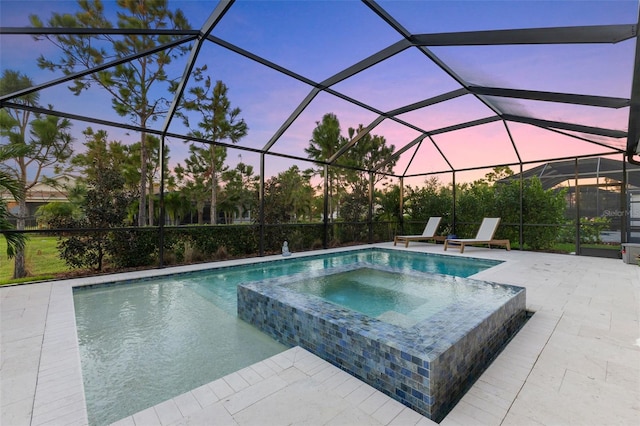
x,y
151,203
100,256
214,187
142,204
200,207
19,270
330,201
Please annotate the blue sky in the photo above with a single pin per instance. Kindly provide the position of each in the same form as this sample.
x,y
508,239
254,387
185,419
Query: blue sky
x,y
319,38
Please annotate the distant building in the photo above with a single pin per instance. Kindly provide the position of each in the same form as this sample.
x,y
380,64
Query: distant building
x,y
41,194
599,192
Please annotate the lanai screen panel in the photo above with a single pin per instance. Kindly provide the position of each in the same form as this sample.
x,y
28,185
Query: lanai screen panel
x,y
424,158
538,144
456,16
265,96
484,145
395,134
435,118
315,39
563,68
296,138
586,115
605,141
21,52
401,80
318,43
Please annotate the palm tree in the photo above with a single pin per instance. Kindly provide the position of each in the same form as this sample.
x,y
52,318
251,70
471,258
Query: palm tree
x,y
46,143
15,242
240,190
177,206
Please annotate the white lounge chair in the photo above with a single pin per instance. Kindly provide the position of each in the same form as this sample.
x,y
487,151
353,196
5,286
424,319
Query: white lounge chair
x,y
485,235
429,233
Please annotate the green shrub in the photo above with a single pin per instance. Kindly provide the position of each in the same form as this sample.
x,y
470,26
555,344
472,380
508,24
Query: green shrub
x,y
590,230
133,247
491,197
55,211
202,243
86,250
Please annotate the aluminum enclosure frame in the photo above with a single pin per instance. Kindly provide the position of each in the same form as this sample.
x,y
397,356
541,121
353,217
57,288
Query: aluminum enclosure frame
x,y
606,34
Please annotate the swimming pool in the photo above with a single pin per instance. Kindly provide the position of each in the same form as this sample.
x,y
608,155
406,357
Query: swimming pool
x,y
400,298
424,359
368,290
143,343
140,340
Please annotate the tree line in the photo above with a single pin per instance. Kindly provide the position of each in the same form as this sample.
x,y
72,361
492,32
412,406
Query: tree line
x,y
137,89
114,183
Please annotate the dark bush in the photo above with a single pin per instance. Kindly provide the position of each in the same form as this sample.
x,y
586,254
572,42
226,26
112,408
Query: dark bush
x,y
133,247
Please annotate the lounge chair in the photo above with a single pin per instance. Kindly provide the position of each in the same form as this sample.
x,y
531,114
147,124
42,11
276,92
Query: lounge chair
x,y
485,236
429,233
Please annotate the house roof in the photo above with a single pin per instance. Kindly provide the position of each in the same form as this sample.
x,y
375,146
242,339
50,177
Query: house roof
x,y
555,173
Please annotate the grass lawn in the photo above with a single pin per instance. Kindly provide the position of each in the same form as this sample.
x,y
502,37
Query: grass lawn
x,y
570,247
42,260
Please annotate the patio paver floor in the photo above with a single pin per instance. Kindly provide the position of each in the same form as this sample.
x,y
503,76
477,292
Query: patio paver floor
x,y
577,360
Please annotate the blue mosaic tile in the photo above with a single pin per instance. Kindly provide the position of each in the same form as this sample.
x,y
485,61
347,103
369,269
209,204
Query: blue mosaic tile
x,y
426,366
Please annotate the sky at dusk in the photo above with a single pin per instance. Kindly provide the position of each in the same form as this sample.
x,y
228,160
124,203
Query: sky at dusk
x,y
317,39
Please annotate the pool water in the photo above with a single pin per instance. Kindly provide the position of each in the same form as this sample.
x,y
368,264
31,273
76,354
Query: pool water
x,y
366,290
143,342
402,299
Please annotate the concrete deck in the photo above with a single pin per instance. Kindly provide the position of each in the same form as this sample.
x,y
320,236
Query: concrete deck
x,y
576,362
